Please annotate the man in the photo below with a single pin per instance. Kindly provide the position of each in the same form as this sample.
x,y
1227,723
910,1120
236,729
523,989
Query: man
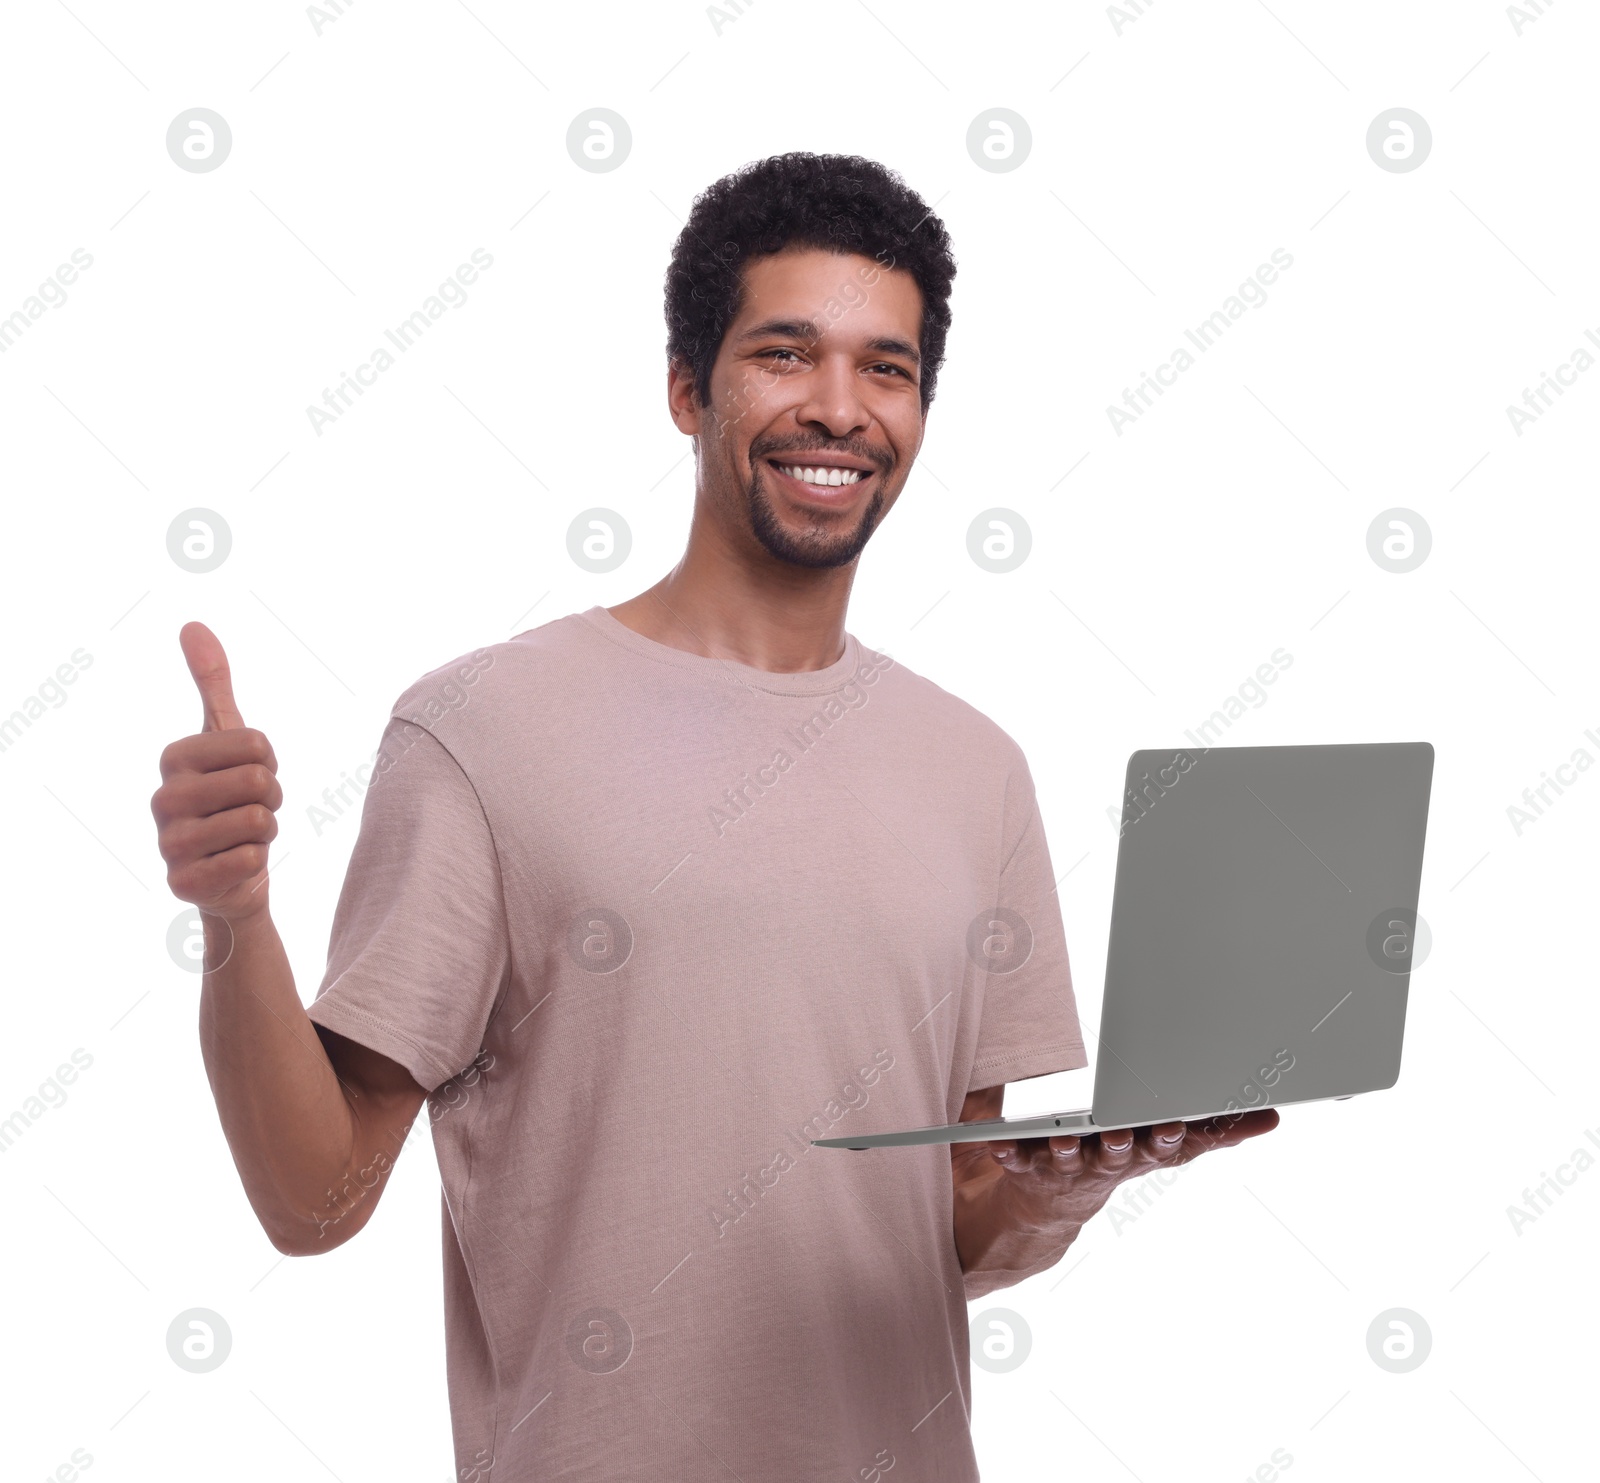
x,y
648,897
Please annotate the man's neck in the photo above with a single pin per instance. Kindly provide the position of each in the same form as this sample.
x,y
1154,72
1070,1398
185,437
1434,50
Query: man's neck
x,y
785,627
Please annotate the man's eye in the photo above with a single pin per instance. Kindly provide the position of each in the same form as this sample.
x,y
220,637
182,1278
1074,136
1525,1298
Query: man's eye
x,y
898,370
781,350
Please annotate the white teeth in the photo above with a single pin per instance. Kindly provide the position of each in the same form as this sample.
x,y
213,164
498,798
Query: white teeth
x,y
821,476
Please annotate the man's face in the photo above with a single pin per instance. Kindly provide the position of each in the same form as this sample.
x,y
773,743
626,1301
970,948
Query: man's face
x,y
818,372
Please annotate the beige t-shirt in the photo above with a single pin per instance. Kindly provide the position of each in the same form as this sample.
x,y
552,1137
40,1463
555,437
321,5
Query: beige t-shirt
x,y
644,923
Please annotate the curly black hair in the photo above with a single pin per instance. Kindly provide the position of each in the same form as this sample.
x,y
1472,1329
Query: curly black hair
x,y
840,203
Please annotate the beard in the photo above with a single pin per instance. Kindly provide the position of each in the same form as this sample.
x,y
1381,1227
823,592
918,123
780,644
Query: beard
x,y
818,546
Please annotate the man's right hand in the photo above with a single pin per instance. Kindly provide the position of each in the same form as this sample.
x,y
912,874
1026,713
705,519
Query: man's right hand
x,y
215,808
306,1112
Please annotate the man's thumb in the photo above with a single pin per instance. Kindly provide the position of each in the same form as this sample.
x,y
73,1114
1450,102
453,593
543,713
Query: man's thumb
x,y
209,666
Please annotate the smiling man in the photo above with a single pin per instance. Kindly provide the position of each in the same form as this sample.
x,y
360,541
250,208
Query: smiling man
x,y
646,898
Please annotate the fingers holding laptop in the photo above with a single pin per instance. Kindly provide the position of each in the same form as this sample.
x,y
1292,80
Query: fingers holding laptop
x,y
1128,1153
1228,1129
1020,1203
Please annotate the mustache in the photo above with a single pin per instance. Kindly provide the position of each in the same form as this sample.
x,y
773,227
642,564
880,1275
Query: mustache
x,y
879,459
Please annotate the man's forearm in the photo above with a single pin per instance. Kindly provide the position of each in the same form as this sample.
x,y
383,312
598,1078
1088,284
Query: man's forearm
x,y
288,1125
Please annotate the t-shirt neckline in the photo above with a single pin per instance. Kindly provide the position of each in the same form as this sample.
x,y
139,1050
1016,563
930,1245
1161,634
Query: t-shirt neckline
x,y
801,682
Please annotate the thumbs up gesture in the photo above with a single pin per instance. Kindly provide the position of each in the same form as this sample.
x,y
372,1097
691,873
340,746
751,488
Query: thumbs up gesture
x,y
215,808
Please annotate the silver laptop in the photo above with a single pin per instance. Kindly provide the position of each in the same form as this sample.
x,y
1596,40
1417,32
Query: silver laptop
x,y
1262,933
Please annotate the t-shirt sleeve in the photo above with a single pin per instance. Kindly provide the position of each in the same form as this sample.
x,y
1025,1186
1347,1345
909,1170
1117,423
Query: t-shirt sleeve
x,y
1029,1026
419,951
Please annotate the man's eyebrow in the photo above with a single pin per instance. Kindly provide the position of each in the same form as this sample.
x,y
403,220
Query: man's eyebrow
x,y
783,329
806,329
893,345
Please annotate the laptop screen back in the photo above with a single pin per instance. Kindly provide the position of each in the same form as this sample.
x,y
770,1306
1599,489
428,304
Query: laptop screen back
x,y
1262,927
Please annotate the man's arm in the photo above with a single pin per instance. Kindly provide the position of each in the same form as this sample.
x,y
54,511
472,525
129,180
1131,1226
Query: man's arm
x,y
1020,1203
313,1120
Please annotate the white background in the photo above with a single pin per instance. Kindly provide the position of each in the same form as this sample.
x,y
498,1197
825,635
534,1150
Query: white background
x,y
1171,153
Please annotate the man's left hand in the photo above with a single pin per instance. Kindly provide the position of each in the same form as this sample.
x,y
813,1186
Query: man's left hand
x,y
1020,1203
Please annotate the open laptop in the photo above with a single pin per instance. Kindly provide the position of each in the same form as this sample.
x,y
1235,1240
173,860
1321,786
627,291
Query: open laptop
x,y
1262,932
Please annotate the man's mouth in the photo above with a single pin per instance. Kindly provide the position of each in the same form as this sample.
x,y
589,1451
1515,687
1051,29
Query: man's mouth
x,y
822,476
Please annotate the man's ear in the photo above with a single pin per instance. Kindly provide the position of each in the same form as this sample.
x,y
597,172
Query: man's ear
x,y
683,402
